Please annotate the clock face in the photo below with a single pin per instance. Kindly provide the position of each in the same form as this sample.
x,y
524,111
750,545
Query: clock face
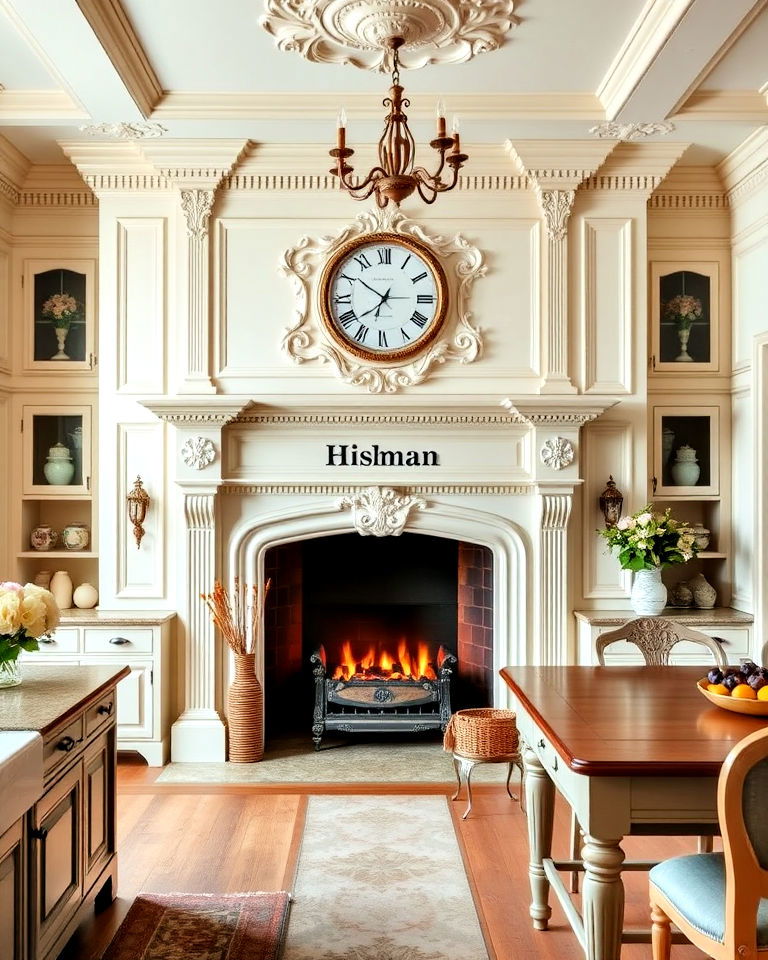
x,y
383,297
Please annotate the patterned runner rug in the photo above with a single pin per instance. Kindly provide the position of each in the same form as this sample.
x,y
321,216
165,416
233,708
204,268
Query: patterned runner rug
x,y
183,926
381,878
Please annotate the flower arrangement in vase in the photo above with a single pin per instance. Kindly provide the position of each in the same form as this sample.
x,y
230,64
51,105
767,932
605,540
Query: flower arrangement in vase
x,y
26,613
683,310
646,543
237,619
61,309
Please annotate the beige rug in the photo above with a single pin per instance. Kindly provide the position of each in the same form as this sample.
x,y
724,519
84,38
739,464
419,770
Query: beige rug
x,y
345,763
381,878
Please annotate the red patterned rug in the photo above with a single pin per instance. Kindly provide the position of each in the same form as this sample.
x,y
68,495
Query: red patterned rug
x,y
198,926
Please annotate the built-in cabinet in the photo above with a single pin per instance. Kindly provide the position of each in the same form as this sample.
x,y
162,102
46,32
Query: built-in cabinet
x,y
13,892
143,641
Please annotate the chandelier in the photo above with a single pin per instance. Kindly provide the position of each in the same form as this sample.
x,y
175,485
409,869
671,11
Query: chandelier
x,y
396,178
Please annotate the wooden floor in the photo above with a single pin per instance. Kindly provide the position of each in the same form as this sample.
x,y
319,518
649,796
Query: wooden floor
x,y
227,838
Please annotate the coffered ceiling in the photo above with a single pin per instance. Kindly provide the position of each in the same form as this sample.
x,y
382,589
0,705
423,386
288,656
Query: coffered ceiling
x,y
208,69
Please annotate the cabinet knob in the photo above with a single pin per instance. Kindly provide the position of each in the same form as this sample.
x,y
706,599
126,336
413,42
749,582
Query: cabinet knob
x,y
66,744
45,640
119,641
38,833
106,708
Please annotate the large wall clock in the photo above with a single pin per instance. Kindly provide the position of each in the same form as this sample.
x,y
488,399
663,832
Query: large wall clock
x,y
383,297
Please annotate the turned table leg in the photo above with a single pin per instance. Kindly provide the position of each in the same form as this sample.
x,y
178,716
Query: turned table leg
x,y
540,809
602,898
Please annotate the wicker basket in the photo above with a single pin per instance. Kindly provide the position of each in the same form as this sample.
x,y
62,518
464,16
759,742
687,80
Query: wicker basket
x,y
482,734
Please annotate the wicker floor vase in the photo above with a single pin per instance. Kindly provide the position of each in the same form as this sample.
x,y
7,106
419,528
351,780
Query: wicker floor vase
x,y
245,712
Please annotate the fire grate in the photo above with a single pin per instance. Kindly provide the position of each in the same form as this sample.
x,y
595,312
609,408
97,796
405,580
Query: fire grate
x,y
380,705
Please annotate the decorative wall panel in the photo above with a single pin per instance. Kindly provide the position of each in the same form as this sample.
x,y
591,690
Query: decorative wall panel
x,y
141,265
607,305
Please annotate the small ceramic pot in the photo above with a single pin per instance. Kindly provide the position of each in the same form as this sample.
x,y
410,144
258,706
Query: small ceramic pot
x,y
43,579
681,595
75,536
704,594
59,468
701,536
43,537
685,470
86,596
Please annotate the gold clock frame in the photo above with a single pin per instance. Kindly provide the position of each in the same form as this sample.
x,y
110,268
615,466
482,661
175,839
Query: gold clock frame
x,y
441,285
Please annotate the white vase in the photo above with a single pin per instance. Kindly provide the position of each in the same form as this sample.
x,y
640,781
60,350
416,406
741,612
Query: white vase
x,y
683,335
61,588
649,595
61,336
685,470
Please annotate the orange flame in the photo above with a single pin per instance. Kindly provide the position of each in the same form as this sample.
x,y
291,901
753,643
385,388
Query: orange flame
x,y
382,665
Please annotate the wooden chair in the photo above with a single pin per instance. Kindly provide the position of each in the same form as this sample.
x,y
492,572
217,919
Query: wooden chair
x,y
715,898
654,637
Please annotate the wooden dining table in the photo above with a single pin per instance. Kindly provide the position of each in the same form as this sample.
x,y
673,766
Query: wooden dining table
x,y
634,750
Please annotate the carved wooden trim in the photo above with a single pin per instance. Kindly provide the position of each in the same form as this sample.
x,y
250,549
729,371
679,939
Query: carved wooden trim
x,y
380,511
335,489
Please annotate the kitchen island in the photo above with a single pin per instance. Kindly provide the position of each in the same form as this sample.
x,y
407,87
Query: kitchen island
x,y
59,857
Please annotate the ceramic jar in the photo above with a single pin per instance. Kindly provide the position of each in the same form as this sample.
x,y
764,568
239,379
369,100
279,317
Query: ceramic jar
x,y
75,536
681,595
701,536
86,596
43,579
43,537
59,468
649,595
704,594
61,588
685,470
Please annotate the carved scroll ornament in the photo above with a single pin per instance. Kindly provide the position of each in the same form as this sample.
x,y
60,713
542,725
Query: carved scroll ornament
x,y
380,511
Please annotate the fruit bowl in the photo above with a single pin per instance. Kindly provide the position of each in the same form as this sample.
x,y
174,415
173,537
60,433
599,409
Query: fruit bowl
x,y
754,708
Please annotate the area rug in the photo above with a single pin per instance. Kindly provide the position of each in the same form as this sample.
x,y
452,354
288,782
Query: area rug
x,y
295,762
200,926
381,878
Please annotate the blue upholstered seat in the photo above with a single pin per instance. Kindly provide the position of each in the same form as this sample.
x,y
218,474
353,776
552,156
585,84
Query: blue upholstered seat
x,y
696,886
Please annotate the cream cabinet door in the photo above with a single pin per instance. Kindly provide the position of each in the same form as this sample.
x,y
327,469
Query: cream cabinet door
x,y
135,708
13,902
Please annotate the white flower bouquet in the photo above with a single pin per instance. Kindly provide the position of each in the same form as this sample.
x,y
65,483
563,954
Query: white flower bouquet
x,y
61,309
647,540
26,613
683,310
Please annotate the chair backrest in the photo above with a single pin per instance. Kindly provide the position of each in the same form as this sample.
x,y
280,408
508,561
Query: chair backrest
x,y
655,637
741,796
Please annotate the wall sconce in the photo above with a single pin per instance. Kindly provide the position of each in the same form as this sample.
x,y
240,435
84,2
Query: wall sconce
x,y
138,504
611,501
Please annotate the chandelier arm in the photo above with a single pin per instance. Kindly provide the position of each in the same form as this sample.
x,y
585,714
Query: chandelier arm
x,y
421,186
371,179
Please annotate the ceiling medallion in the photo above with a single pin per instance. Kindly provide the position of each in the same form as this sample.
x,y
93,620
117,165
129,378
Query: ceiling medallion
x,y
613,130
136,130
396,178
354,31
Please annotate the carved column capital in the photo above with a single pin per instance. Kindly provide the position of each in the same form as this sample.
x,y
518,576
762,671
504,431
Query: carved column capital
x,y
556,205
197,205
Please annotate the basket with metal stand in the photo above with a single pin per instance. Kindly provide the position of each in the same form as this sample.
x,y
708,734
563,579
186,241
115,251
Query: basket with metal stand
x,y
482,735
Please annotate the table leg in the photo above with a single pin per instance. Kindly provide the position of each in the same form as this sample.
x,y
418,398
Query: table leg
x,y
540,808
602,898
456,770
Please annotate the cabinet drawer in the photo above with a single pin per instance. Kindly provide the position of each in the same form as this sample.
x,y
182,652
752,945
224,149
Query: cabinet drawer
x,y
118,640
62,641
99,713
59,746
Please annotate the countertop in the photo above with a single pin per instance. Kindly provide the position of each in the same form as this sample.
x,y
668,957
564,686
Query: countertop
x,y
50,693
721,616
113,618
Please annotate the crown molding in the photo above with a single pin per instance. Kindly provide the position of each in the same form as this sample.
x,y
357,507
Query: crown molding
x,y
113,29
567,410
39,105
745,169
558,164
690,188
374,419
657,22
212,410
745,106
14,166
636,167
330,489
188,105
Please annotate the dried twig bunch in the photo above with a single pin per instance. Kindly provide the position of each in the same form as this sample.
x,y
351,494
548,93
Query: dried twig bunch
x,y
237,618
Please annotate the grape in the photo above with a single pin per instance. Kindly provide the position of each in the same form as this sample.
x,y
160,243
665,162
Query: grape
x,y
749,667
764,673
733,680
756,681
715,675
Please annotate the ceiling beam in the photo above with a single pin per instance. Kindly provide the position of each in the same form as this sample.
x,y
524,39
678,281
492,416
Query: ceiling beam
x,y
68,47
671,48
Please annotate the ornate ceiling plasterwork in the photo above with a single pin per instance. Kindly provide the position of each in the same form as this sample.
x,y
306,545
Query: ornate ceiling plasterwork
x,y
135,130
353,31
306,340
614,130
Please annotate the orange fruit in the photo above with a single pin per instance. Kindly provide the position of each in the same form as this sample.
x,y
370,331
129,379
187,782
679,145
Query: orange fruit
x,y
744,692
762,693
719,689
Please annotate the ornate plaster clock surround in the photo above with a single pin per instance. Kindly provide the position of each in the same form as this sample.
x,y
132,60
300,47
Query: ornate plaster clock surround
x,y
354,31
441,331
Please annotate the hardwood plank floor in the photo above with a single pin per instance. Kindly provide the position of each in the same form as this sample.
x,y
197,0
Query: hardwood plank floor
x,y
227,838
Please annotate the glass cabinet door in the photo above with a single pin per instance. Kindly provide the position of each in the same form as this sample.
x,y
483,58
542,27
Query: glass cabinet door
x,y
59,314
684,316
685,454
57,451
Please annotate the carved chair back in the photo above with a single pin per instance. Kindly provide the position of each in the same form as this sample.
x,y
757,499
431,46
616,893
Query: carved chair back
x,y
655,637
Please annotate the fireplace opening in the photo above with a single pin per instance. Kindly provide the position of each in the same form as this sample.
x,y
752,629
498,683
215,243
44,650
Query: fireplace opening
x,y
390,629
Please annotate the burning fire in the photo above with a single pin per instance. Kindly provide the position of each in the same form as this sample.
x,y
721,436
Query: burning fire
x,y
384,666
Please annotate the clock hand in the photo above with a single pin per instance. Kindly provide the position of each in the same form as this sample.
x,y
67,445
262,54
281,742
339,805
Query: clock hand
x,y
368,285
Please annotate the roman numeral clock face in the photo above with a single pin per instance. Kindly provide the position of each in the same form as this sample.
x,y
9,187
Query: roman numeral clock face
x,y
383,298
